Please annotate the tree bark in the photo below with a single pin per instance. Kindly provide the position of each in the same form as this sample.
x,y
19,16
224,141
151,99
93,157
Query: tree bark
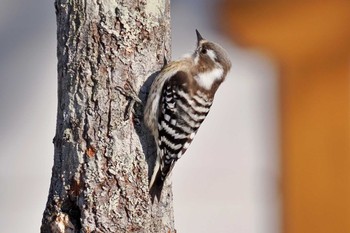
x,y
103,153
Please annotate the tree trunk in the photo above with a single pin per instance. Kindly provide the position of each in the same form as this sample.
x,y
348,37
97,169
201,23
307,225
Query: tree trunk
x,y
103,152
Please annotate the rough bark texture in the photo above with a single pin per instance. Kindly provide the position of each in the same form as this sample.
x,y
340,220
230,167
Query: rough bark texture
x,y
103,153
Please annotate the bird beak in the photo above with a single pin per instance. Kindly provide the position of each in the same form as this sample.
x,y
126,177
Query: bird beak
x,y
199,37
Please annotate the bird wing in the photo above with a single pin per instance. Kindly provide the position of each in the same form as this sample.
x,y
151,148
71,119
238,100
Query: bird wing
x,y
181,112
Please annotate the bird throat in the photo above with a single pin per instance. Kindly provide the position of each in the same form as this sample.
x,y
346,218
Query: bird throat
x,y
207,79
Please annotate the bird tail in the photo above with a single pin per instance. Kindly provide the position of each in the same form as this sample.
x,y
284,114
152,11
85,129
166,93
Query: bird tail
x,y
156,186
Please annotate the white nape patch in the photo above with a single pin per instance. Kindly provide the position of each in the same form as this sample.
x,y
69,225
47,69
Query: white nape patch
x,y
211,54
207,79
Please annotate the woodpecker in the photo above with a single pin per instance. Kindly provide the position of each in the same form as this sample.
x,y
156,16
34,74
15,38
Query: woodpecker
x,y
179,100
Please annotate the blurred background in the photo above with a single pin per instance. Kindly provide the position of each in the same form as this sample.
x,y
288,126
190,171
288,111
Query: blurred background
x,y
273,155
310,44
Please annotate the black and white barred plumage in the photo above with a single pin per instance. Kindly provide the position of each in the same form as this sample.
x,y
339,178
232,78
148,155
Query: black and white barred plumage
x,y
179,100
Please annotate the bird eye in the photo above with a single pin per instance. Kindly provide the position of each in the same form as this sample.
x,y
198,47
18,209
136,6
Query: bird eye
x,y
203,50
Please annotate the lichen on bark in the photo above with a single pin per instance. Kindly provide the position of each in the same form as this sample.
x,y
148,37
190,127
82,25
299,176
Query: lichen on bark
x,y
103,153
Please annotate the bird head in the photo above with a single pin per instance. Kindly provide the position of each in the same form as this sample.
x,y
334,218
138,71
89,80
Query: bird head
x,y
209,55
